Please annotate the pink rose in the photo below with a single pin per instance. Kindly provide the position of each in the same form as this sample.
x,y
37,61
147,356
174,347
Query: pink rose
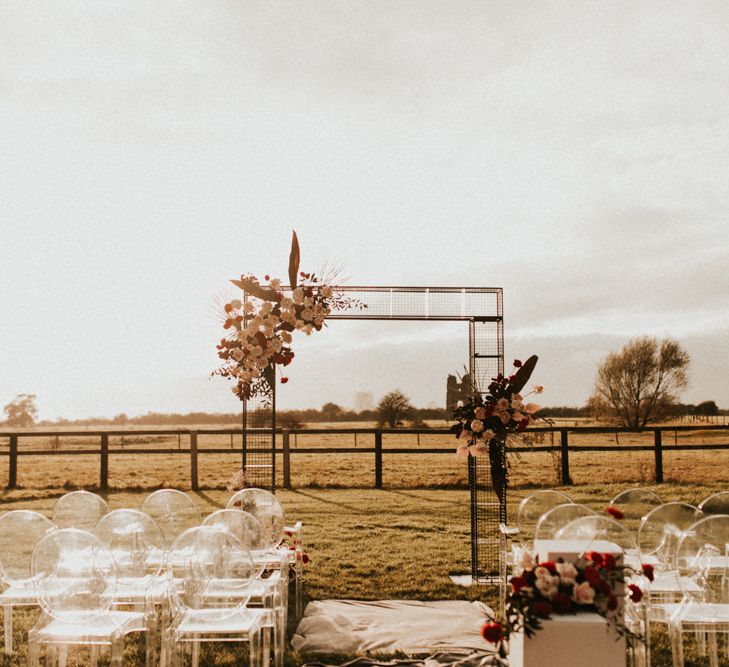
x,y
488,435
479,413
505,417
462,450
531,408
477,426
583,593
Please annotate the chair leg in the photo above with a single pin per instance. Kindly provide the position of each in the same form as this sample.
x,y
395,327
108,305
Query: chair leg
x,y
713,650
675,632
117,653
195,652
8,618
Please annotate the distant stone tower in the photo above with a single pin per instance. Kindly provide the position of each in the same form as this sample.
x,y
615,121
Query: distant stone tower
x,y
457,391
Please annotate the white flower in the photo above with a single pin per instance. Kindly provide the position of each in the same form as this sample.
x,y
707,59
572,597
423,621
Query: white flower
x,y
583,593
308,302
567,572
275,283
526,560
248,308
307,314
477,426
235,303
298,296
286,303
547,586
538,389
326,291
488,435
237,354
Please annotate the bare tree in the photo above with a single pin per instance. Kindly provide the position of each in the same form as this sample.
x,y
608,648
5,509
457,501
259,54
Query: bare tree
x,y
22,410
640,383
393,408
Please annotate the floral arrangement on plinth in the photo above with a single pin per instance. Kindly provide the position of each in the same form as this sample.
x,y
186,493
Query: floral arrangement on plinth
x,y
492,421
261,323
596,583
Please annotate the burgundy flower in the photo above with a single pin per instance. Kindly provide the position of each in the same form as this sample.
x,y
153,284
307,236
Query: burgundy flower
x,y
517,583
541,609
284,380
517,363
636,595
615,513
648,571
592,576
609,561
492,632
562,603
549,565
595,557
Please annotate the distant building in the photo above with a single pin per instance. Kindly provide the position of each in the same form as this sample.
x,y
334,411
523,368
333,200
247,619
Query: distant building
x,y
457,390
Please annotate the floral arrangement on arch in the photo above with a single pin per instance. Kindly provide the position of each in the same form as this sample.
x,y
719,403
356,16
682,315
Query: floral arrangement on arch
x,y
260,325
491,422
595,583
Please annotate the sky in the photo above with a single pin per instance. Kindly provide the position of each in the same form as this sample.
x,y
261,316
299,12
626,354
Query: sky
x,y
574,153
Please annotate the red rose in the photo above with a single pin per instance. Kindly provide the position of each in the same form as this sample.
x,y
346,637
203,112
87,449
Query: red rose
x,y
267,277
517,583
592,576
550,566
609,561
612,604
595,557
636,595
615,513
523,423
562,603
541,609
492,632
648,571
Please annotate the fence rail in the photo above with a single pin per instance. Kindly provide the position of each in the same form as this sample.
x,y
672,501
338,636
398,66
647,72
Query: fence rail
x,y
561,446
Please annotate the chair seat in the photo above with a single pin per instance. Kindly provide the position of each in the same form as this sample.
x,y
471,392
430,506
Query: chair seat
x,y
18,595
97,631
212,621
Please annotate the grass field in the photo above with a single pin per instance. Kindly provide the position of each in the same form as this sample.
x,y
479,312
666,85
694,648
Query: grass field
x,y
366,544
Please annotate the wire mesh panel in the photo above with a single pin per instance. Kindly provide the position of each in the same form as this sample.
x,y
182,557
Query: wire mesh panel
x,y
259,440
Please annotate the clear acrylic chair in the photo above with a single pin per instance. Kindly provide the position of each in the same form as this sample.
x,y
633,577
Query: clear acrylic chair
x,y
268,510
139,549
635,504
660,530
514,540
556,518
270,590
79,509
210,576
20,530
717,503
173,511
703,565
75,580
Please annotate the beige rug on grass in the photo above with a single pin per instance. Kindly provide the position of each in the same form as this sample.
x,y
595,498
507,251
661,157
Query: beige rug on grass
x,y
387,626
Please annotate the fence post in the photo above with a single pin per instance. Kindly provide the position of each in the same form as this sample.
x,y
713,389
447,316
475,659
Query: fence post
x,y
378,459
13,462
286,458
658,447
564,444
104,465
193,461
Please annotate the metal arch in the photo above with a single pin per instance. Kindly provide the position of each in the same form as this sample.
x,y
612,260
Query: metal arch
x,y
482,309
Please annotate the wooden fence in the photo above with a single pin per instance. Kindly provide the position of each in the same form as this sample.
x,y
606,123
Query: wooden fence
x,y
561,446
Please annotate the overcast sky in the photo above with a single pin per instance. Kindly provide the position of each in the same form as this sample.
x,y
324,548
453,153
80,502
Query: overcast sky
x,y
574,153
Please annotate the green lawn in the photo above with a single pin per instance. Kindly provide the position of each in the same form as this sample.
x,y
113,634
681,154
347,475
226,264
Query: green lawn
x,y
365,544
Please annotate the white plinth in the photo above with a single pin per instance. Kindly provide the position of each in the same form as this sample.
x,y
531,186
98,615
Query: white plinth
x,y
569,641
570,550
